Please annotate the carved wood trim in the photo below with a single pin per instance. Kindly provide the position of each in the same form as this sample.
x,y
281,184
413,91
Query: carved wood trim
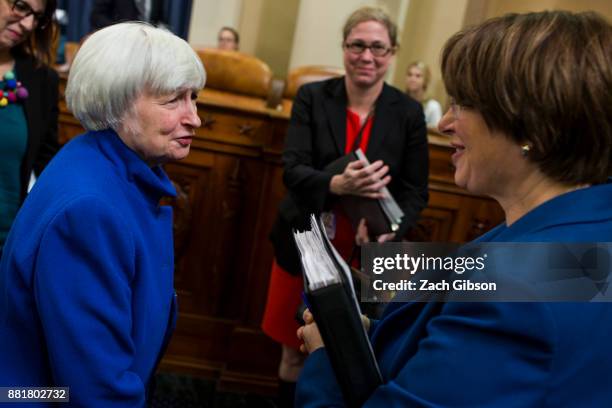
x,y
208,121
245,129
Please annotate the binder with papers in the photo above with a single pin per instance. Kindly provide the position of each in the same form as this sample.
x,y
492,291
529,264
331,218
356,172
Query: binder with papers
x,y
382,215
328,287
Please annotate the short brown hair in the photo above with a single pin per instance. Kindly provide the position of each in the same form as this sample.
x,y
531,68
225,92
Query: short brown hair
x,y
40,43
545,79
368,13
233,32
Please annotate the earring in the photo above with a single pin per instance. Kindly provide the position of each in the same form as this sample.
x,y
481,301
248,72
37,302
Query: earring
x,y
525,149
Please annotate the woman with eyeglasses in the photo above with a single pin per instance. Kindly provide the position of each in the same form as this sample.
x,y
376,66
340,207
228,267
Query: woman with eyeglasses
x,y
531,122
6,14
330,119
28,100
228,39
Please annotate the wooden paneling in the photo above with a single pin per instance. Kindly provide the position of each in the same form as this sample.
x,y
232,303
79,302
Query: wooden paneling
x,y
228,191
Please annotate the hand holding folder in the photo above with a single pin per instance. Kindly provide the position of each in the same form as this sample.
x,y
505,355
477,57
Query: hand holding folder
x,y
382,215
330,293
309,333
359,178
307,319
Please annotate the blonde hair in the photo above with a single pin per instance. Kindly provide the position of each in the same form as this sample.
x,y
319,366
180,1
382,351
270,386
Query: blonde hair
x,y
369,13
424,70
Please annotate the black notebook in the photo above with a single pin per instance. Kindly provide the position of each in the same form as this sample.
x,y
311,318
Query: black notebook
x,y
331,296
382,216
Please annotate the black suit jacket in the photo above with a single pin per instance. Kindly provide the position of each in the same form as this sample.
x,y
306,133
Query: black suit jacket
x,y
107,12
41,111
317,136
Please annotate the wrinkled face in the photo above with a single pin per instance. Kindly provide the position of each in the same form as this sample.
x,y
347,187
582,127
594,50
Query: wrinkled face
x,y
415,80
15,29
227,41
486,161
365,69
161,128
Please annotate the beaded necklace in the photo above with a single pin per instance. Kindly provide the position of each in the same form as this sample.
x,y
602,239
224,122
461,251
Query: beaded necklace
x,y
12,90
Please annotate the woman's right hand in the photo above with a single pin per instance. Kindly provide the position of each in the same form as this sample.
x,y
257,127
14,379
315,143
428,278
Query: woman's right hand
x,y
361,180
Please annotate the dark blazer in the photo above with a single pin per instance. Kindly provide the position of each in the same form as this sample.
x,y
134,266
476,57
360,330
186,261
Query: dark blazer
x,y
317,136
41,113
107,12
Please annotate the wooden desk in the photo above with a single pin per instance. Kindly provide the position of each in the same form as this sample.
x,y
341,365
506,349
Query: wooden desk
x,y
228,191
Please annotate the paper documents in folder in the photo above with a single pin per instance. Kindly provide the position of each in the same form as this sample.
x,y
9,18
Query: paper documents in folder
x,y
331,296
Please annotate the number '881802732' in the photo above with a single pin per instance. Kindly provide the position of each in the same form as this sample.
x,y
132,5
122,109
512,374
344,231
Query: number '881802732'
x,y
34,394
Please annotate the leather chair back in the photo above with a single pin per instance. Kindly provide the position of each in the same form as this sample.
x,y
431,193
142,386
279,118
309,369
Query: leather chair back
x,y
306,74
235,72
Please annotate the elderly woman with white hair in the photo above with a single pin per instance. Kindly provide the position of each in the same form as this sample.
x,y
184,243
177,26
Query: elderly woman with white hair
x,y
86,279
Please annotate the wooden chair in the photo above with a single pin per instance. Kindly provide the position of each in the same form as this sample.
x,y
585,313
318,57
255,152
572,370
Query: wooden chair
x,y
70,50
306,74
235,72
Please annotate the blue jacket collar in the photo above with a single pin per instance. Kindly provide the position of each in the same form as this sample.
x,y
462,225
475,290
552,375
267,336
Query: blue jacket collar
x,y
151,181
586,205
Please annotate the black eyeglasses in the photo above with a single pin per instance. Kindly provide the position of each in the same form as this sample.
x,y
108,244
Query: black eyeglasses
x,y
23,10
377,49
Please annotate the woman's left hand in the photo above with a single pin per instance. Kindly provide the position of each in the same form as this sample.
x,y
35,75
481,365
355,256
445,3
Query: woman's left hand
x,y
385,237
309,334
362,236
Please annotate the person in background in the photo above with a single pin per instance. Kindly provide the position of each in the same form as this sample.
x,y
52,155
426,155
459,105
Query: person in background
x,y
417,81
328,118
107,12
547,163
228,39
86,279
28,102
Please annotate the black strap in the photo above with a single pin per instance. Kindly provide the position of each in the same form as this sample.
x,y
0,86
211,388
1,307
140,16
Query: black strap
x,y
357,140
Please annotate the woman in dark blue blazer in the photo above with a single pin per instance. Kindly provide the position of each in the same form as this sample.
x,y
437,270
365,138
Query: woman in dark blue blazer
x,y
530,122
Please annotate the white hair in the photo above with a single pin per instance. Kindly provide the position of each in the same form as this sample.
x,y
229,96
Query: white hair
x,y
118,63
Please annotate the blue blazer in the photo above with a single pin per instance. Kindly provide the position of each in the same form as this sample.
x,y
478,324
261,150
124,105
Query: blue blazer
x,y
86,279
493,354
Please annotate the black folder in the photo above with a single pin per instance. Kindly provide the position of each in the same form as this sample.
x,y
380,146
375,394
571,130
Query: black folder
x,y
382,215
336,311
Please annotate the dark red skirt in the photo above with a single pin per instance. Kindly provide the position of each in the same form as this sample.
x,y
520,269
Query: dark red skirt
x,y
284,298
